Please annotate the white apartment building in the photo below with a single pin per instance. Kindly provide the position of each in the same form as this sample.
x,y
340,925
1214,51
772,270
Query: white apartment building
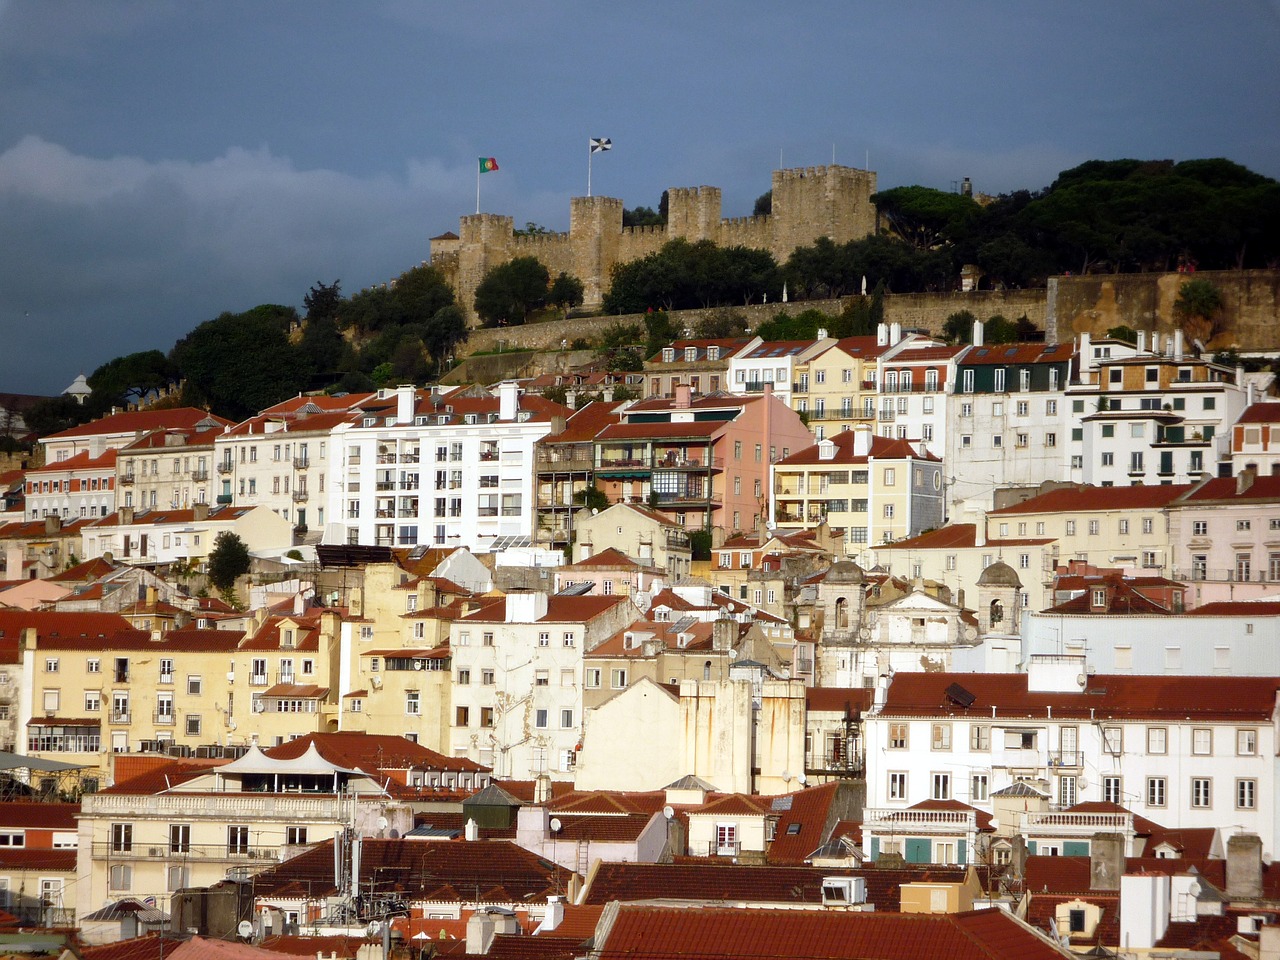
x,y
518,679
914,378
448,469
1009,420
1184,751
773,363
1140,416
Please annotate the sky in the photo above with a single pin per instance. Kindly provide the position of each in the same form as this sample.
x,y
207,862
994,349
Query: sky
x,y
164,161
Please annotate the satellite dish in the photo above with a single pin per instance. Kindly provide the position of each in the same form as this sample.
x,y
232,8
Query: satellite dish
x,y
668,811
556,825
802,778
382,823
1194,888
1081,679
1082,783
373,929
786,776
418,664
245,928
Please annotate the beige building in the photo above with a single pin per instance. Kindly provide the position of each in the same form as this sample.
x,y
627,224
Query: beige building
x,y
644,535
168,536
185,826
170,468
286,672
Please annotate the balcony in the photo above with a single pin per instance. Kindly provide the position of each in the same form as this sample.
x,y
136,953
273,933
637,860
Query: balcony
x,y
222,499
886,416
886,820
1066,759
301,463
162,718
680,461
723,848
241,807
385,485
199,475
385,457
226,466
1063,823
257,679
553,464
127,479
120,716
178,852
300,496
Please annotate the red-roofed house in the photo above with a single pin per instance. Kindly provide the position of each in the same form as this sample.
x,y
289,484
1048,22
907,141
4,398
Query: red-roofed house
x,y
875,489
157,537
644,535
1184,751
701,365
1255,439
170,468
565,466
1223,538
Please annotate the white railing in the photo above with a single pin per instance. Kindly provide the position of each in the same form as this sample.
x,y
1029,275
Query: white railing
x,y
1086,824
233,806
884,819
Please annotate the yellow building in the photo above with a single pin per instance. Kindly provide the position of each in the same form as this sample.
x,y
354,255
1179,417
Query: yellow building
x,y
288,672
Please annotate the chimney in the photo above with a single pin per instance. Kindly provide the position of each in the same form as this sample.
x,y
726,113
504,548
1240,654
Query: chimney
x,y
862,440
125,515
508,399
1245,478
980,530
542,789
554,915
1106,861
1086,353
1142,341
13,562
762,530
607,394
199,512
480,931
1244,866
405,397
1155,343
895,332
571,399
526,606
882,335
724,632
1177,344
52,524
977,333
683,394
822,333
1248,394
471,832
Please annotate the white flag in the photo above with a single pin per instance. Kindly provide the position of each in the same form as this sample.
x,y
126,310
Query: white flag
x,y
600,144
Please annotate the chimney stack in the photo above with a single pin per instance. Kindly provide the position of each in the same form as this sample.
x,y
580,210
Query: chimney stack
x,y
683,396
977,333
405,397
1245,478
508,399
1106,861
862,440
1244,866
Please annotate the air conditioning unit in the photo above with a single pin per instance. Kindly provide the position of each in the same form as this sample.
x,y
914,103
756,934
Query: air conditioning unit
x,y
843,891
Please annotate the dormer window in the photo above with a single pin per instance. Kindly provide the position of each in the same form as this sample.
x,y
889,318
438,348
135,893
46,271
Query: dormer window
x,y
690,354
469,418
370,421
668,354
442,419
713,353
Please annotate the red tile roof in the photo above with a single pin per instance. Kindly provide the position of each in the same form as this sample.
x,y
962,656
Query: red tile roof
x,y
559,610
1106,696
802,823
1001,353
660,932
1267,412
958,535
1223,489
369,752
82,461
663,429
586,422
484,871
838,699
53,628
40,816
27,859
728,347
137,421
89,570
1078,498
139,948
882,448
1238,608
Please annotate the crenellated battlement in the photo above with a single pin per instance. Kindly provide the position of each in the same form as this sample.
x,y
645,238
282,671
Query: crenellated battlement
x,y
808,203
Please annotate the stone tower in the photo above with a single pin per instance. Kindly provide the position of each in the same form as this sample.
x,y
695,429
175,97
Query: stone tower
x,y
595,227
999,599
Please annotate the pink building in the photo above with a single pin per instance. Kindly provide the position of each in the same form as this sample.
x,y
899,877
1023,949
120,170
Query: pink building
x,y
1224,538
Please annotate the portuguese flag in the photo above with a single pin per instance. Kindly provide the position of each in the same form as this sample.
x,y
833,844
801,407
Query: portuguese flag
x,y
488,164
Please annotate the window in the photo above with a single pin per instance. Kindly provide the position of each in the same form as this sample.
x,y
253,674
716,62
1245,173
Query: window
x,y
1066,791
591,677
941,736
1156,791
1157,740
1202,741
179,838
237,840
193,725
941,786
618,678
569,640
94,665
1111,790
540,719
412,703
486,639
1246,794
1071,528
462,716
897,736
121,837
1113,740
541,678
979,737
1246,743
1244,567
487,676
295,836
1201,792
194,685
464,677
897,786
566,718
979,788
51,665
121,876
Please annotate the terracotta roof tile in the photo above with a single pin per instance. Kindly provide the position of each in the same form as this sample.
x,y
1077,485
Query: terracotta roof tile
x,y
136,421
1082,498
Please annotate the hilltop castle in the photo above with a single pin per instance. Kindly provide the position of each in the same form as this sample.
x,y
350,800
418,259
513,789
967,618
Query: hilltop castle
x,y
808,203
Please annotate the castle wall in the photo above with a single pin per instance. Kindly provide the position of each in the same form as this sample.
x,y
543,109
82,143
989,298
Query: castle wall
x,y
1144,301
808,202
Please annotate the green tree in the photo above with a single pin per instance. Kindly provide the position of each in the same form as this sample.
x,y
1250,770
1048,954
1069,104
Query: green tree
x,y
763,205
323,300
229,560
642,217
127,379
531,229
925,217
592,497
239,363
720,324
510,292
442,334
1199,309
958,327
999,329
1123,332
566,291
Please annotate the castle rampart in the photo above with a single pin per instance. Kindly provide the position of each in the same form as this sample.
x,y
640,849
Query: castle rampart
x,y
808,203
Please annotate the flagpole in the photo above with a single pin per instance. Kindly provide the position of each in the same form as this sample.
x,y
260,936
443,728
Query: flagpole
x,y
477,187
589,153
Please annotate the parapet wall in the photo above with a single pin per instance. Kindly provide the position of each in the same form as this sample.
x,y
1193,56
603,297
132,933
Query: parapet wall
x,y
1144,301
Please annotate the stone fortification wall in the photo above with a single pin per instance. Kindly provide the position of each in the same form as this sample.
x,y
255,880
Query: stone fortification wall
x,y
1144,301
928,311
808,203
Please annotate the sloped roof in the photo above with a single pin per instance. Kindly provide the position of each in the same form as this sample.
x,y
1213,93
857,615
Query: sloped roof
x,y
1082,497
1017,353
1173,698
882,448
802,818
137,421
1265,487
1265,412
717,932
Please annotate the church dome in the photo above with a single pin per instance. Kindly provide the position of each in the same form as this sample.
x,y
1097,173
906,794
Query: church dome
x,y
999,574
845,571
